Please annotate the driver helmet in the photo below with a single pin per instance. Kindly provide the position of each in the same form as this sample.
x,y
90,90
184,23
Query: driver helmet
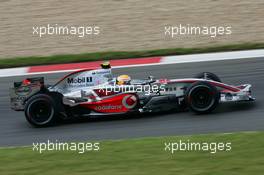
x,y
123,80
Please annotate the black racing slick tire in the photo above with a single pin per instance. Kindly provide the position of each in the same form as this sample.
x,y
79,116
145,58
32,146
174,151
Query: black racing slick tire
x,y
41,110
208,76
202,97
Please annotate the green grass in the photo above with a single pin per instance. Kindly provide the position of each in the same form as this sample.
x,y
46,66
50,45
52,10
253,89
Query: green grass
x,y
29,61
143,156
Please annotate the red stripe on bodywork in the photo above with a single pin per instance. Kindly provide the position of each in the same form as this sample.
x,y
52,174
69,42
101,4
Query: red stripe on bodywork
x,y
226,87
214,83
93,64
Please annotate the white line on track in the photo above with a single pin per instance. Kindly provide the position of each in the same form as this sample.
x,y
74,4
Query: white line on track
x,y
248,54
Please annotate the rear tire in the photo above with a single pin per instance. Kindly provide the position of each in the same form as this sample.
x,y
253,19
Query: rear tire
x,y
202,97
41,110
208,76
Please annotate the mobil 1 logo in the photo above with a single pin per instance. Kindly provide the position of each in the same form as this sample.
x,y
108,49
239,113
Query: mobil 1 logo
x,y
79,81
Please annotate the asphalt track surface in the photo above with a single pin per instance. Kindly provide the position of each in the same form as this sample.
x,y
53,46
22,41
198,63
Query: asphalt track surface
x,y
14,130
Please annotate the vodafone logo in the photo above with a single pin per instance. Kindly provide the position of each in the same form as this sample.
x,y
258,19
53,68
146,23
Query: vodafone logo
x,y
108,107
129,101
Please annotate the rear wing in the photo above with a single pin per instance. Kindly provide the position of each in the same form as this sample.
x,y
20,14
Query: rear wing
x,y
24,90
35,80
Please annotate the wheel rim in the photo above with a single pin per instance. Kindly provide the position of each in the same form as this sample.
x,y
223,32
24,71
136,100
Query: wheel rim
x,y
40,112
201,98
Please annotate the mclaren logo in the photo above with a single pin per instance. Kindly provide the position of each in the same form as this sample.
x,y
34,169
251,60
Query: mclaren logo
x,y
79,80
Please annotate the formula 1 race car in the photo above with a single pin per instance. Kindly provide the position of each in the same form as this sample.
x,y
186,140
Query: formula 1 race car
x,y
95,93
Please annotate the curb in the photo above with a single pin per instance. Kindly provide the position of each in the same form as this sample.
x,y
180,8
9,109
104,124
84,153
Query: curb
x,y
134,62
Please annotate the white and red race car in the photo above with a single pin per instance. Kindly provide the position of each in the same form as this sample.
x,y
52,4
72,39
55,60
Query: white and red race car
x,y
91,93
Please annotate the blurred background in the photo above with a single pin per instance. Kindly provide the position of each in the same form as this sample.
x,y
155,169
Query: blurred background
x,y
125,25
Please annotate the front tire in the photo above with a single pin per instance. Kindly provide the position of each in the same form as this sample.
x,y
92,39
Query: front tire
x,y
41,110
202,97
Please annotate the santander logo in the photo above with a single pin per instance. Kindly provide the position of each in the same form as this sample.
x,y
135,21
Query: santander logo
x,y
129,101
